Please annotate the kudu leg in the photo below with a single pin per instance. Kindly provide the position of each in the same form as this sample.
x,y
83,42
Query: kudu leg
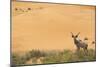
x,y
85,50
78,49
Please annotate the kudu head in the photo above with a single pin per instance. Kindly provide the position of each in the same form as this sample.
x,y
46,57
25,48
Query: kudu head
x,y
75,36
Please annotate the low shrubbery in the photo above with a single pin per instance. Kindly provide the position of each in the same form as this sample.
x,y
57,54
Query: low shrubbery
x,y
45,57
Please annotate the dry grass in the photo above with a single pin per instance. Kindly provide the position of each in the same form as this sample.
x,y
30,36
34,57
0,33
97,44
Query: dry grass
x,y
45,57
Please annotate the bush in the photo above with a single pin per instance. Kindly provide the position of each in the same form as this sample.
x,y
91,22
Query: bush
x,y
36,53
17,59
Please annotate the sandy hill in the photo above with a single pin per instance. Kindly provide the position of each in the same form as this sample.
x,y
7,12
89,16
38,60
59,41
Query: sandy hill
x,y
47,26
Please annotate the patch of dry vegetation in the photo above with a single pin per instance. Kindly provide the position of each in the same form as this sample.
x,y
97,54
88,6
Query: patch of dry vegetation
x,y
46,57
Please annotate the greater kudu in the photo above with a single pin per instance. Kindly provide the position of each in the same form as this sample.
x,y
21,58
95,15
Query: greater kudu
x,y
79,43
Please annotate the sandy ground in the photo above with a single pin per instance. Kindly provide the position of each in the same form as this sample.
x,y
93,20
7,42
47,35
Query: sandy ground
x,y
48,26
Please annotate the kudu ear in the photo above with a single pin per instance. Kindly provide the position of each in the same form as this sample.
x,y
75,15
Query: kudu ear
x,y
72,35
77,34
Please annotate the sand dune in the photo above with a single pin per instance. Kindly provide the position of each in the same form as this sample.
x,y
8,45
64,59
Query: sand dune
x,y
48,26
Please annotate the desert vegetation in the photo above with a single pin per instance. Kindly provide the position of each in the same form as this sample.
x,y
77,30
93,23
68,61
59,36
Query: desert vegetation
x,y
36,26
47,57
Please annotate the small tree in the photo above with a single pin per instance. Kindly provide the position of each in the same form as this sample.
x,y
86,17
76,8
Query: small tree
x,y
16,9
93,42
85,38
29,8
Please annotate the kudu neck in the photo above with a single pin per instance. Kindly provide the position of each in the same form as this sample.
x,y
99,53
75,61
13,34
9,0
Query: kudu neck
x,y
75,40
